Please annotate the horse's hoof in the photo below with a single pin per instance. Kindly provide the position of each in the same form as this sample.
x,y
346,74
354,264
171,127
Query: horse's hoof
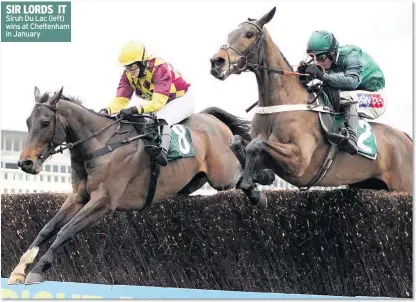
x,y
262,203
266,177
16,278
34,278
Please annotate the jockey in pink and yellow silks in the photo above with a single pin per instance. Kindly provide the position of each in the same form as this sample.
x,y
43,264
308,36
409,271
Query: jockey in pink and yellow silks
x,y
157,82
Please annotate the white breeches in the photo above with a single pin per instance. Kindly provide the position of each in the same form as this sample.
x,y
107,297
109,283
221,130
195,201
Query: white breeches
x,y
369,104
173,112
178,109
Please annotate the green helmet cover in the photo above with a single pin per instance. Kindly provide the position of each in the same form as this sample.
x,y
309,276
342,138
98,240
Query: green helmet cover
x,y
321,42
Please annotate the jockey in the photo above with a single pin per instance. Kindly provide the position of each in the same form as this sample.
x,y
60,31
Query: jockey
x,y
157,82
354,73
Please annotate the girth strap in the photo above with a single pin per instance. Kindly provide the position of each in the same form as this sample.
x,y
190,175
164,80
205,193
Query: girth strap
x,y
329,159
154,175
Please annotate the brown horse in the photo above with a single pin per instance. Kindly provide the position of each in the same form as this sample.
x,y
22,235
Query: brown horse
x,y
291,142
116,180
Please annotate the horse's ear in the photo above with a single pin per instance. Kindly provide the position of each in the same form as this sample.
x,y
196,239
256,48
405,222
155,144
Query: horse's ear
x,y
37,94
56,97
266,18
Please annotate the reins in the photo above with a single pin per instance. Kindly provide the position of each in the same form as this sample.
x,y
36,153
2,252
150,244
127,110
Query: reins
x,y
251,51
255,49
54,148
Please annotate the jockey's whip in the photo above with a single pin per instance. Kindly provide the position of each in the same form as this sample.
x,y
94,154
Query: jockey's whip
x,y
252,106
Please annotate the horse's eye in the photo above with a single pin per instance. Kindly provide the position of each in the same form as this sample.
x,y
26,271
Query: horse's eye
x,y
249,35
45,124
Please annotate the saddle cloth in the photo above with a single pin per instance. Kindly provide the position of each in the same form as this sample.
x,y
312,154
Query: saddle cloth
x,y
181,145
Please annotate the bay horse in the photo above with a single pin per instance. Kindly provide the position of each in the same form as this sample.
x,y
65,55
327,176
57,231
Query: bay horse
x,y
288,139
117,179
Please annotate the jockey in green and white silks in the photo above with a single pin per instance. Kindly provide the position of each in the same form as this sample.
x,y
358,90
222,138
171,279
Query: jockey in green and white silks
x,y
355,73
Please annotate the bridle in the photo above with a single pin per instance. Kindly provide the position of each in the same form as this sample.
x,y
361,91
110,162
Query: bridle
x,y
57,144
254,49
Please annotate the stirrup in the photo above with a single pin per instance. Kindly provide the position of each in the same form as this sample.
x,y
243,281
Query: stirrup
x,y
347,144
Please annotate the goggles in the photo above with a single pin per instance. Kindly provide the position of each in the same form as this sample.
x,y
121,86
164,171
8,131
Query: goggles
x,y
132,67
321,57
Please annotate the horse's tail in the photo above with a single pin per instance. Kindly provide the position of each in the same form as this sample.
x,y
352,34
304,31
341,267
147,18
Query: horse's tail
x,y
238,126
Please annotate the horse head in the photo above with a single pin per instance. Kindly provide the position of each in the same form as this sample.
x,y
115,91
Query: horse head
x,y
243,50
45,131
251,48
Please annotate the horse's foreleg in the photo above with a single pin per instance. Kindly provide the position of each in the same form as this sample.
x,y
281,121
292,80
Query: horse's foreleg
x,y
253,174
236,145
98,207
288,157
253,160
263,176
69,208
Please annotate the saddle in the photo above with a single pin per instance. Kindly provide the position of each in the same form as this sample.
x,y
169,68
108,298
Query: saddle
x,y
181,145
328,97
333,124
145,127
148,128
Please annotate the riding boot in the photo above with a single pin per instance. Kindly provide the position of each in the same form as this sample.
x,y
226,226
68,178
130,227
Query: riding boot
x,y
351,116
161,153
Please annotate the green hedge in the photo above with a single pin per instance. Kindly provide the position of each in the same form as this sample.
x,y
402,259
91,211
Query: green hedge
x,y
341,242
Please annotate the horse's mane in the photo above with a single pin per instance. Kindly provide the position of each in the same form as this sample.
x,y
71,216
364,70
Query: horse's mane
x,y
72,99
45,97
278,49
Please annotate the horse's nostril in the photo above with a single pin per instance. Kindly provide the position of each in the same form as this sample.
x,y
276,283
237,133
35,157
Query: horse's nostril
x,y
217,62
25,164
